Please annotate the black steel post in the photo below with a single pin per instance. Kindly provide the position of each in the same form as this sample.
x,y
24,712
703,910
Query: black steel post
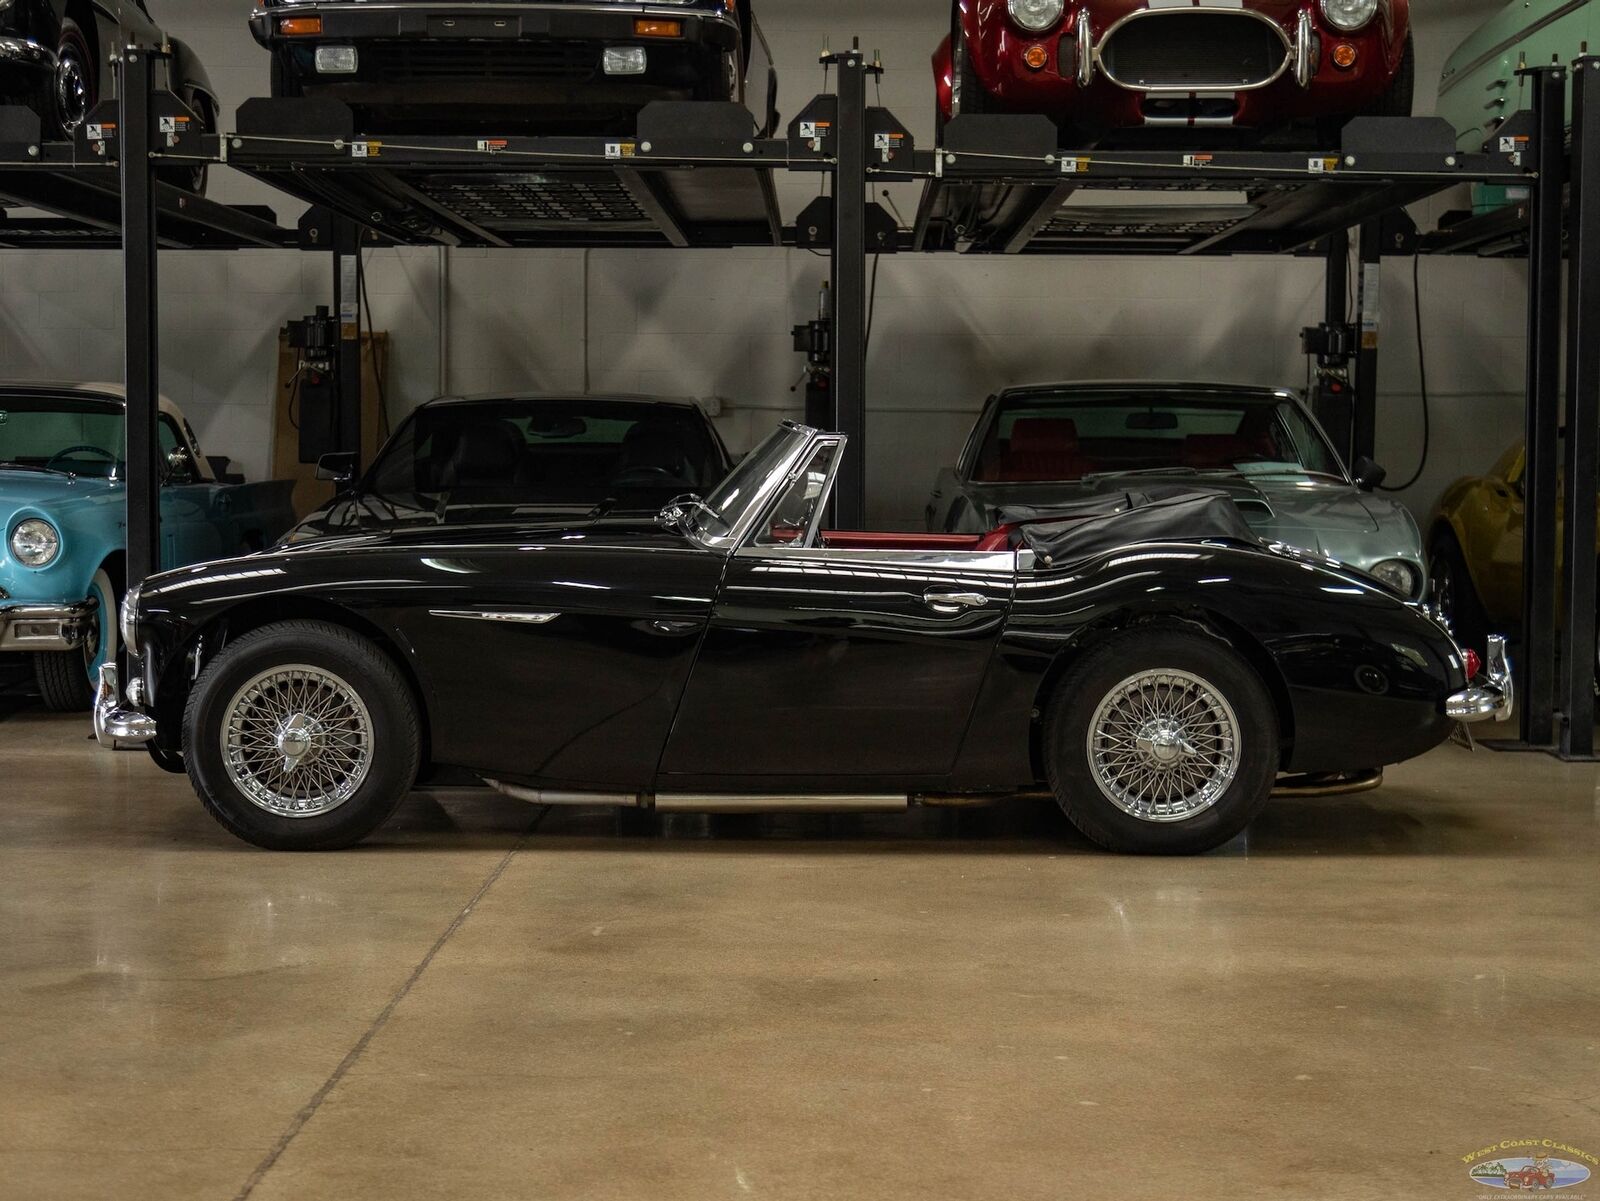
x,y
1364,419
1333,397
850,287
347,307
141,360
1583,417
1538,653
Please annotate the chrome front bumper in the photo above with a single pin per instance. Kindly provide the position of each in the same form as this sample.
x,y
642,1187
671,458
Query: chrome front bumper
x,y
1494,697
117,728
46,627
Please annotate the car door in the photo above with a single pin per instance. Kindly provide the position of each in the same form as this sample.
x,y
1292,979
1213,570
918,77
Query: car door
x,y
823,664
557,659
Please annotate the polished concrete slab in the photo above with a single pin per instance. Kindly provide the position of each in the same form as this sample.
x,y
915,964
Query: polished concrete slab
x,y
493,1002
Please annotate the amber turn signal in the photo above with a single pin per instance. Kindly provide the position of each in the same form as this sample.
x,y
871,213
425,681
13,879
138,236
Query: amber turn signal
x,y
657,29
1036,56
300,27
1344,55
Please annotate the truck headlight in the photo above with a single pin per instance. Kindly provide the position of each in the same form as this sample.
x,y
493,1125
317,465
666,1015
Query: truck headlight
x,y
1039,15
35,542
1399,575
1349,15
128,619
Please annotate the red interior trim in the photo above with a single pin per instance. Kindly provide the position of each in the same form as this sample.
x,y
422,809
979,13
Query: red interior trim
x,y
859,541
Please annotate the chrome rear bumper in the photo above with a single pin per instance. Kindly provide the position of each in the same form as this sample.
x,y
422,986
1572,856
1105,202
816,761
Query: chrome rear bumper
x,y
27,53
1493,696
46,627
117,728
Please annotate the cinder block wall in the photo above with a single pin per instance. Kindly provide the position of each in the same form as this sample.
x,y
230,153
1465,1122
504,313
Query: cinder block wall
x,y
948,331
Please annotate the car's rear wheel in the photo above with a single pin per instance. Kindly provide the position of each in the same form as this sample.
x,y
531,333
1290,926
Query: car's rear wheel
x,y
66,679
75,86
302,736
1161,741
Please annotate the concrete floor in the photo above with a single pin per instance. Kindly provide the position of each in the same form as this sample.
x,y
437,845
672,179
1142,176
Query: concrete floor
x,y
487,1005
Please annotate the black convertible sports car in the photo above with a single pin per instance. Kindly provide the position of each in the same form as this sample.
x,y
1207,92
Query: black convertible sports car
x,y
1146,656
515,66
517,458
54,56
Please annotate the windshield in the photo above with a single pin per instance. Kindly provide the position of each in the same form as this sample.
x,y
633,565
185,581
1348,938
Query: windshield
x,y
81,436
574,452
1037,437
725,509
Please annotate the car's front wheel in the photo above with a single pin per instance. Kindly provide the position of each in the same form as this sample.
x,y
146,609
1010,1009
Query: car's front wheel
x,y
302,736
66,679
1161,741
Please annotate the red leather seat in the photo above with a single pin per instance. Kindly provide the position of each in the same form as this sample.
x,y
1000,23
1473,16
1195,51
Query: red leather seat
x,y
1215,450
1042,448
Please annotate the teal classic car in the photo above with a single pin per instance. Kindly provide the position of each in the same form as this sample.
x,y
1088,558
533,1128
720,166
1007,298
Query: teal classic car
x,y
1480,88
64,511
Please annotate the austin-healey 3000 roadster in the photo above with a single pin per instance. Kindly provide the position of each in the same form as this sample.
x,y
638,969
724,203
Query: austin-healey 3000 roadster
x,y
1146,656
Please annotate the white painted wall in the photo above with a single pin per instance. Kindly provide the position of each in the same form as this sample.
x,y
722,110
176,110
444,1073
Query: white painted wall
x,y
948,331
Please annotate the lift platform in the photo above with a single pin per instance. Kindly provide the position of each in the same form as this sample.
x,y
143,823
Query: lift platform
x,y
692,175
1000,185
68,195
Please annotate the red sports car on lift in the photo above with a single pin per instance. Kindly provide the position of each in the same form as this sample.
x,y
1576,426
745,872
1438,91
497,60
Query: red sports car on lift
x,y
1101,68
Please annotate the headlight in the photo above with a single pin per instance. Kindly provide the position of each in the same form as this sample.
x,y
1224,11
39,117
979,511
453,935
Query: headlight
x,y
1039,15
35,543
1399,575
128,619
1349,15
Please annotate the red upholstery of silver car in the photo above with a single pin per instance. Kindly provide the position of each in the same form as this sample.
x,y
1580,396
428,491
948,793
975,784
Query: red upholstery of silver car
x,y
1217,450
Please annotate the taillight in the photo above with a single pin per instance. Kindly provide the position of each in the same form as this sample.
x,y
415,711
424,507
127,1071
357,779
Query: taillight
x,y
1474,665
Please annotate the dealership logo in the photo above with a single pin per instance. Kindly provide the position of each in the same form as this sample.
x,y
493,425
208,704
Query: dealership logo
x,y
1530,1164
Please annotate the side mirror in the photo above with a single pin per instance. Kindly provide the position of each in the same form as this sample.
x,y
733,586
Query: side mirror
x,y
339,468
1368,474
180,468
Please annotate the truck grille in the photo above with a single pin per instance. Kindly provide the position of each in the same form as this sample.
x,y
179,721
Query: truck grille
x,y
404,62
1194,51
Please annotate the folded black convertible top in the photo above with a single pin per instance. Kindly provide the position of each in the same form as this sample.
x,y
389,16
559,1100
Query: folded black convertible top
x,y
1101,523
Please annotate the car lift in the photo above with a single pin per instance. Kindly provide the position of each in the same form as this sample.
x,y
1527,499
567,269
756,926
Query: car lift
x,y
694,176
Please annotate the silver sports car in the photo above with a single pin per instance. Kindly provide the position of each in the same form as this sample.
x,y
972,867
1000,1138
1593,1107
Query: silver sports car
x,y
1044,446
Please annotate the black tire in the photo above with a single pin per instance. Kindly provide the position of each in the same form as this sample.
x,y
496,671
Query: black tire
x,y
285,83
1450,587
1101,672
974,97
75,87
193,178
393,751
63,684
1400,99
67,679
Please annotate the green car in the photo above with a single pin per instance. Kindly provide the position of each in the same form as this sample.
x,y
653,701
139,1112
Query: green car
x,y
1480,88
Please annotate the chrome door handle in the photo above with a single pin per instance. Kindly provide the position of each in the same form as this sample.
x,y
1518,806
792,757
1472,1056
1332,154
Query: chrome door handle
x,y
954,602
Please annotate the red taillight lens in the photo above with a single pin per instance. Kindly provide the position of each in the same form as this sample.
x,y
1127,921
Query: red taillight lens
x,y
1474,665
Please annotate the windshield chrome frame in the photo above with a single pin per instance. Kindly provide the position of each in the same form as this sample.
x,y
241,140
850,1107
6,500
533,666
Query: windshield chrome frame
x,y
764,496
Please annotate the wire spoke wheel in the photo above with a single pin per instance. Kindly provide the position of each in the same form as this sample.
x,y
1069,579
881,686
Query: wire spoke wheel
x,y
297,741
1164,746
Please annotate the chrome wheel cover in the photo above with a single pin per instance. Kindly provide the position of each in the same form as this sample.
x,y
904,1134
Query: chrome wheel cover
x,y
297,741
1164,746
72,91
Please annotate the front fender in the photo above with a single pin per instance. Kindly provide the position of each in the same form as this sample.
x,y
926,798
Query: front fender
x,y
189,76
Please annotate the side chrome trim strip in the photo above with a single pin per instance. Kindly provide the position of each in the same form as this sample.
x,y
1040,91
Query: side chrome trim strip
x,y
526,619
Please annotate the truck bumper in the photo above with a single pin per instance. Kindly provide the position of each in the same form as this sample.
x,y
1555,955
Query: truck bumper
x,y
118,727
343,22
1492,696
46,627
